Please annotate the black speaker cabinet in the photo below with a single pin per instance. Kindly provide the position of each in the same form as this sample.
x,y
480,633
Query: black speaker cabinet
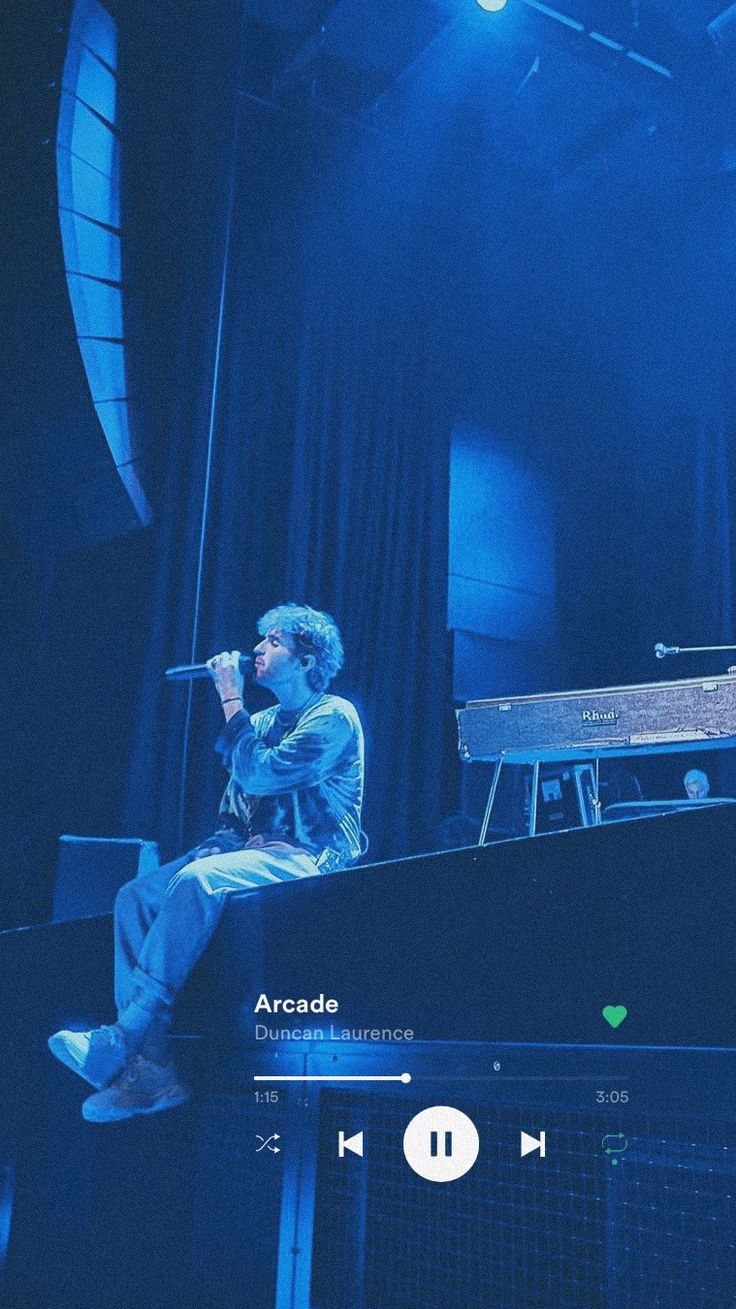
x,y
92,869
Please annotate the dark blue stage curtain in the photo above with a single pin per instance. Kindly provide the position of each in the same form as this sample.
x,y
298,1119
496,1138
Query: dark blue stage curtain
x,y
329,459
368,538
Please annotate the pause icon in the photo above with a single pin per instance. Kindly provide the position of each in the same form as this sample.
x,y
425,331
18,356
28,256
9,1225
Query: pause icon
x,y
441,1144
434,1144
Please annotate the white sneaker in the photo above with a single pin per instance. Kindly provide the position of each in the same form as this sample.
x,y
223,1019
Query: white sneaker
x,y
143,1088
98,1056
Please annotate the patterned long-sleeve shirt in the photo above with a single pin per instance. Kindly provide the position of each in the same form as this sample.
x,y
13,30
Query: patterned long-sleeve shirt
x,y
297,777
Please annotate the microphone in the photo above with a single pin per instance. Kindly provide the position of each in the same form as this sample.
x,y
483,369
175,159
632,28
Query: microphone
x,y
189,672
662,650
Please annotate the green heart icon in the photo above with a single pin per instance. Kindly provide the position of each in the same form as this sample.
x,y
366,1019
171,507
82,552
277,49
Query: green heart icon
x,y
615,1014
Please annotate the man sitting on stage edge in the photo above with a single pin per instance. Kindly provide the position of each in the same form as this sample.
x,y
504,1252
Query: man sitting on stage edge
x,y
291,809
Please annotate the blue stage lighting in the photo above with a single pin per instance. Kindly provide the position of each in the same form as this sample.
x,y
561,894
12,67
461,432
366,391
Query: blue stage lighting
x,y
492,6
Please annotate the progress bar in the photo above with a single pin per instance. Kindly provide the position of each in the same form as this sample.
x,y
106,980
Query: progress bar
x,y
336,1077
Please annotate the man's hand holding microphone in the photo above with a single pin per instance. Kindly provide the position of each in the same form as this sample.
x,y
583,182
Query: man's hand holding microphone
x,y
227,675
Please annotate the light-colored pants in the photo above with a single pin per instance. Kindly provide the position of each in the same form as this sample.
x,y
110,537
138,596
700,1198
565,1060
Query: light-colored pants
x,y
165,918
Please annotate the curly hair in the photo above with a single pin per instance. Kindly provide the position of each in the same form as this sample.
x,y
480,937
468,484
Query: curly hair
x,y
313,632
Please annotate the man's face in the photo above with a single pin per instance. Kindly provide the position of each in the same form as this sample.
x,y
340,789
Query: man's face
x,y
276,661
697,787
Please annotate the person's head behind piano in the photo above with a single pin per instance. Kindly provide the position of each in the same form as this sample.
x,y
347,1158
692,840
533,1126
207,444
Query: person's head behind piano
x,y
697,784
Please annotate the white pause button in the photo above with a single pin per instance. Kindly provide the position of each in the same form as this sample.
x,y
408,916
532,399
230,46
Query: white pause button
x,y
441,1144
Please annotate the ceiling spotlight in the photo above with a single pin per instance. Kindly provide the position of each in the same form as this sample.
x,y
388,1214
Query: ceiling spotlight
x,y
492,6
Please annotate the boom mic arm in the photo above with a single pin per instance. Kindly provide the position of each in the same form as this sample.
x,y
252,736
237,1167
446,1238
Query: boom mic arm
x,y
661,650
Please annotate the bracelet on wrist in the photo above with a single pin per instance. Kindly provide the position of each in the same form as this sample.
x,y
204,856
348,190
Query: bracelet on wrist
x,y
232,699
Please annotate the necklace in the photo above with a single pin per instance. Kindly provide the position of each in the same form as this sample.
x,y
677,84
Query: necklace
x,y
288,718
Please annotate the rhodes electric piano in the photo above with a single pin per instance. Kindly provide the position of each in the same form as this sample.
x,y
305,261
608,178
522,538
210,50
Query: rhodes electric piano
x,y
657,717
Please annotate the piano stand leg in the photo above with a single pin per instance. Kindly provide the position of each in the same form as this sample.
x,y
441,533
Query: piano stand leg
x,y
597,806
533,799
489,802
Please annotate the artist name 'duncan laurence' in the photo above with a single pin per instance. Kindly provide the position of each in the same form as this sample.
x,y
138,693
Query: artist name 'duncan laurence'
x,y
332,1033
